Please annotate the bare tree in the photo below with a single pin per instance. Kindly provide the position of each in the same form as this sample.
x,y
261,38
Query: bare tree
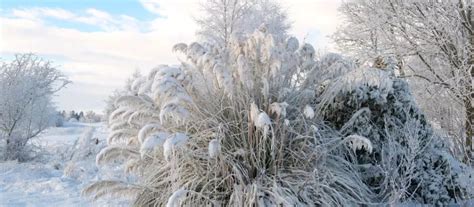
x,y
432,40
224,18
26,88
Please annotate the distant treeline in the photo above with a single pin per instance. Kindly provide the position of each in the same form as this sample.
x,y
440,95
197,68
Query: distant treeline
x,y
73,116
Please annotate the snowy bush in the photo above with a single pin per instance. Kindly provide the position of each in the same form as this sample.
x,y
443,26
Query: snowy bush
x,y
26,88
92,117
408,160
85,147
221,20
255,126
88,117
431,44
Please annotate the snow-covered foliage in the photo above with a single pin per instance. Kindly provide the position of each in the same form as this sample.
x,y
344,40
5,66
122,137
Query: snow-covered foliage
x,y
214,148
360,143
279,108
223,20
152,142
430,43
308,112
85,146
91,117
173,143
401,155
84,149
27,85
266,132
174,199
88,117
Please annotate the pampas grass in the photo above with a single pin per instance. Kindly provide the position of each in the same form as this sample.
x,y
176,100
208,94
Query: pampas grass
x,y
238,140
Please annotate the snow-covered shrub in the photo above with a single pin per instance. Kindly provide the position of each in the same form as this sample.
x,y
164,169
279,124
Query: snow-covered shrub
x,y
88,117
92,117
409,161
74,171
85,147
255,126
27,85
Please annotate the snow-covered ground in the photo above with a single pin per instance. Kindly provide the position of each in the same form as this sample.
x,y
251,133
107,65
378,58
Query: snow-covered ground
x,y
65,165
57,176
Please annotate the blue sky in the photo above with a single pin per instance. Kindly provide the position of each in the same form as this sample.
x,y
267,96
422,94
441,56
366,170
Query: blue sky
x,y
100,43
128,7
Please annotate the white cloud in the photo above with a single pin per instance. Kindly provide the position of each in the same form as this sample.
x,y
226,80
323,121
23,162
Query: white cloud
x,y
108,57
91,16
315,20
97,62
35,13
170,8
